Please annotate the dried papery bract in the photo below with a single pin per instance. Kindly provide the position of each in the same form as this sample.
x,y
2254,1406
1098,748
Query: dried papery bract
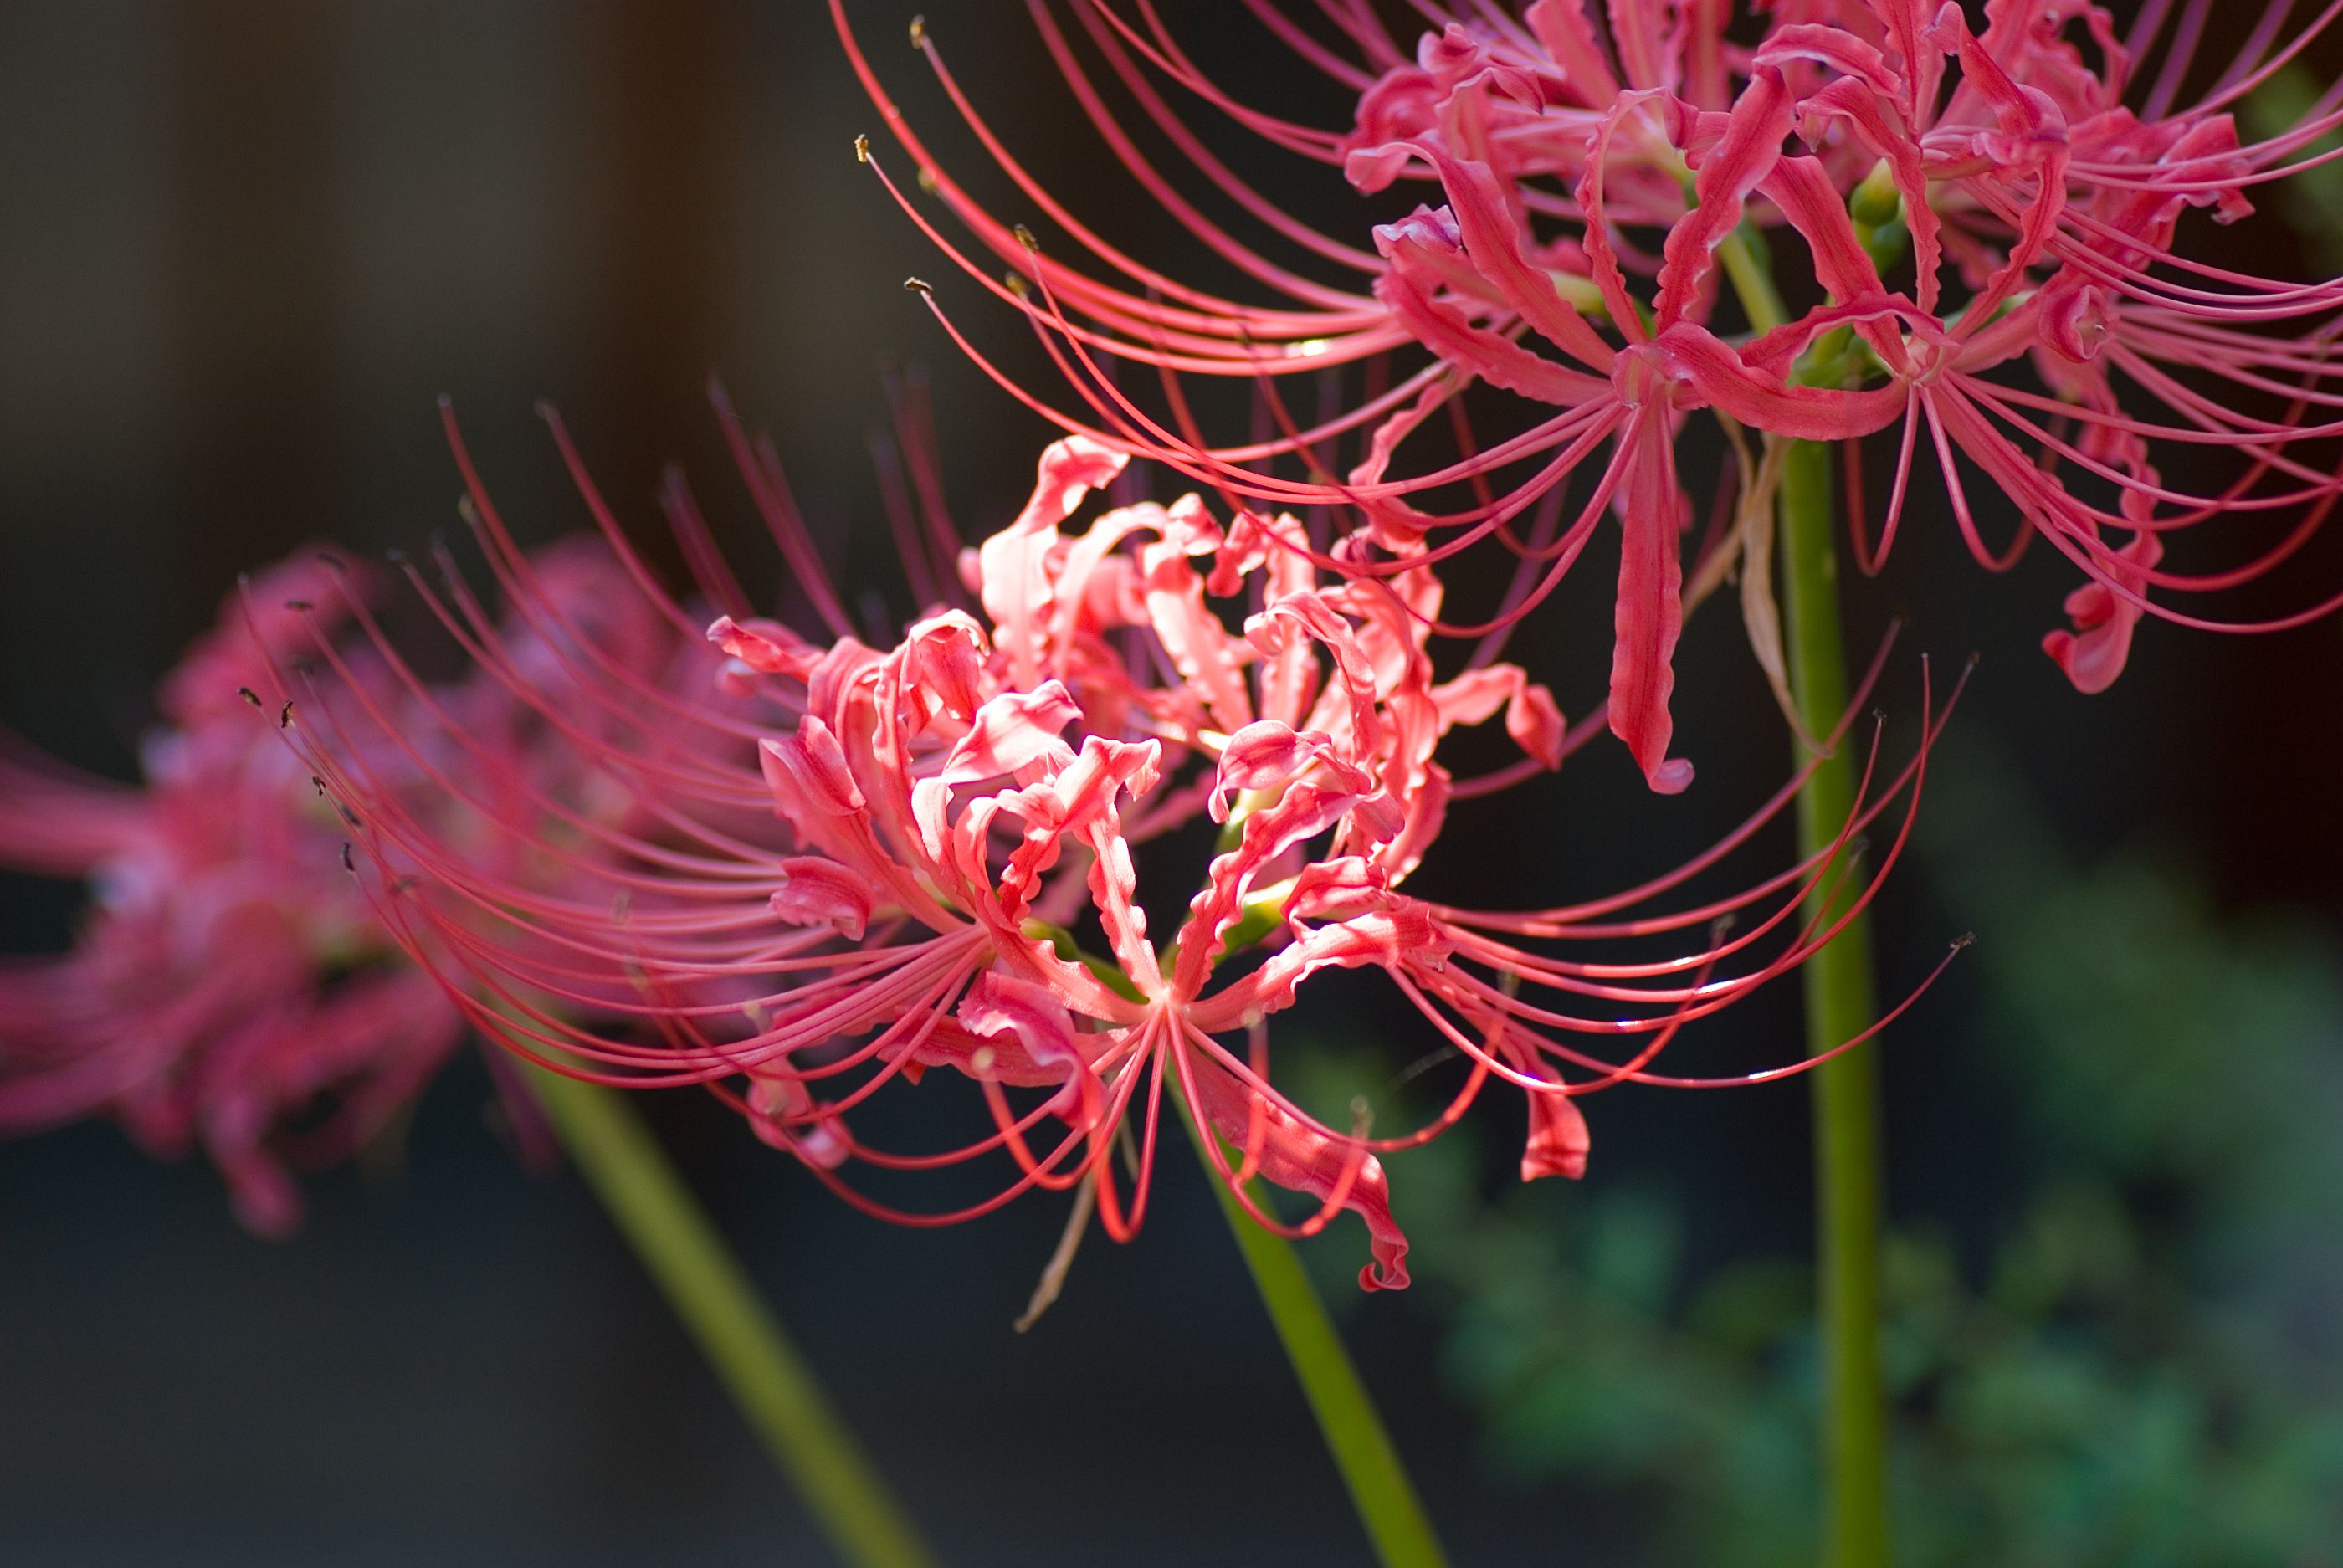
x,y
954,884
1996,229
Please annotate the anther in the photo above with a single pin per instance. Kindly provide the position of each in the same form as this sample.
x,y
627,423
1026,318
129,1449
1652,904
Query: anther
x,y
919,32
1025,238
918,285
927,181
299,605
249,696
320,784
284,715
862,149
350,862
1965,940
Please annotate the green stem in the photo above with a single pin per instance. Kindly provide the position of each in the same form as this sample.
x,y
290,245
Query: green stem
x,y
767,1375
1846,1091
1839,1000
1381,1492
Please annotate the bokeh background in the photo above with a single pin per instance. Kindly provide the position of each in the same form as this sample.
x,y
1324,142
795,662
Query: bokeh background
x,y
244,243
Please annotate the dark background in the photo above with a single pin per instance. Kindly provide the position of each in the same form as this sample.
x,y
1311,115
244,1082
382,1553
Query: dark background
x,y
243,245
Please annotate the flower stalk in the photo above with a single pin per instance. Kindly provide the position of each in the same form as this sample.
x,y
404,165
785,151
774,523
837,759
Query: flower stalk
x,y
1840,1001
766,1374
1840,1005
1381,1492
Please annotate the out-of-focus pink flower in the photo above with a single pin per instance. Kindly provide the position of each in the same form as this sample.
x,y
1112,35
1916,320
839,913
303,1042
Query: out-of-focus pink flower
x,y
1981,232
231,988
227,975
959,887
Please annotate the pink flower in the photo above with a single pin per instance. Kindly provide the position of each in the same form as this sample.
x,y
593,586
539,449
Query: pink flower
x,y
1991,227
228,974
231,988
959,883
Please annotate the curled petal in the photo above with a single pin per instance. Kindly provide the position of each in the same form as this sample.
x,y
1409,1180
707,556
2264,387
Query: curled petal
x,y
808,774
1012,566
766,647
945,655
1303,1158
1386,938
784,1114
2093,654
817,891
1650,611
1558,1140
1532,716
1027,1022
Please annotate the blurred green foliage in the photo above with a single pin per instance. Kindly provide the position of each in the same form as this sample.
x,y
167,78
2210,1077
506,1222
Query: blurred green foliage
x,y
2311,200
2141,1364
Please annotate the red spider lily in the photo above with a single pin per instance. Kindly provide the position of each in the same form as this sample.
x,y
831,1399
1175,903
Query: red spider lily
x,y
961,805
196,1005
231,988
1992,225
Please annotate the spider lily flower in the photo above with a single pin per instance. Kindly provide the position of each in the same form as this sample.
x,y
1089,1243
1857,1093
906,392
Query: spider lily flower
x,y
231,988
959,885
2044,168
226,976
1990,229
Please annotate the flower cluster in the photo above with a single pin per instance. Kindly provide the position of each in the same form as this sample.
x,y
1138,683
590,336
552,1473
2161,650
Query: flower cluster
x,y
801,870
231,988
947,873
1988,227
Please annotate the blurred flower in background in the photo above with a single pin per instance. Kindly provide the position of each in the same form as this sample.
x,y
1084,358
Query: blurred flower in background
x,y
227,981
232,989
